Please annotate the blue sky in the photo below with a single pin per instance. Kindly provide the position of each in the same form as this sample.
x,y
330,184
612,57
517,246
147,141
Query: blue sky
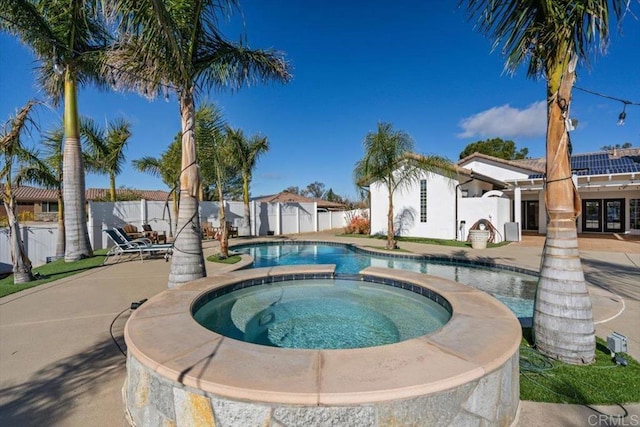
x,y
420,66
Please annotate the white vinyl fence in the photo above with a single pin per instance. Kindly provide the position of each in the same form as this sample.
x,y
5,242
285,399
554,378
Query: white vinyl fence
x,y
266,219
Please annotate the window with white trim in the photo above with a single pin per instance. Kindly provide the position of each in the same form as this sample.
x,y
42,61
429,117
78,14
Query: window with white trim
x,y
423,200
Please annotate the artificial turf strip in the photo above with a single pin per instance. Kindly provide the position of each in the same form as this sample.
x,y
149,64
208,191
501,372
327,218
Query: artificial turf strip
x,y
53,271
231,259
601,383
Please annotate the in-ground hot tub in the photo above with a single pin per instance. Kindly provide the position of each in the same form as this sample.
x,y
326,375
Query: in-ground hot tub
x,y
465,372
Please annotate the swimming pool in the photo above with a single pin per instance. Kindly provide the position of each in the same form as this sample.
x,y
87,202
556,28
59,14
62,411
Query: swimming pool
x,y
514,289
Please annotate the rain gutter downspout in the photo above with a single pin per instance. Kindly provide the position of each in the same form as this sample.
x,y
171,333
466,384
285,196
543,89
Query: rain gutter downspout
x,y
455,226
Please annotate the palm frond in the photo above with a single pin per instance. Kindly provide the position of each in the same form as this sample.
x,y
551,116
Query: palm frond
x,y
543,31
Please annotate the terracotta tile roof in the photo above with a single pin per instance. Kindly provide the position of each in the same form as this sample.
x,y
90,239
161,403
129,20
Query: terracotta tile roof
x,y
26,193
285,196
533,165
34,194
464,171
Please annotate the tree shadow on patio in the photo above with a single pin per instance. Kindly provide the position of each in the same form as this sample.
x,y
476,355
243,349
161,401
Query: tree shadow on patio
x,y
52,393
616,278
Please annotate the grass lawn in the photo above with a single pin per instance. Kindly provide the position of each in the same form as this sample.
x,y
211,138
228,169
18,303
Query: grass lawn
x,y
232,259
603,382
53,271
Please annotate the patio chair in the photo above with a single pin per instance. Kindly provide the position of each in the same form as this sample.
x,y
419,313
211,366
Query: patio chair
x,y
208,231
155,236
132,231
233,230
127,245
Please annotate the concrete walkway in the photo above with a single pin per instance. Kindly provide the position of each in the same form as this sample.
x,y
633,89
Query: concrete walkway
x,y
61,363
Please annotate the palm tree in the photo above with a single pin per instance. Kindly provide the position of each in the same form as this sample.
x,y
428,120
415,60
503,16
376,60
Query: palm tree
x,y
176,46
553,36
68,37
45,170
106,148
167,167
246,153
389,159
12,150
214,144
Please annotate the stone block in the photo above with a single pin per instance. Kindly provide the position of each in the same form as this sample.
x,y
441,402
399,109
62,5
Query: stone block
x,y
230,414
192,409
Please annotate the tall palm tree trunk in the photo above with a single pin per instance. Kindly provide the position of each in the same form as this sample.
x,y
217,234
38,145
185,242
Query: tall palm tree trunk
x,y
112,186
60,241
563,319
21,262
77,245
224,230
245,227
187,262
391,242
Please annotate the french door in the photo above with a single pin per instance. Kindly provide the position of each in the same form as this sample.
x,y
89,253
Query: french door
x,y
603,215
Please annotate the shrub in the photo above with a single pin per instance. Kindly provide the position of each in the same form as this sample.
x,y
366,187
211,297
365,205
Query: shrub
x,y
358,225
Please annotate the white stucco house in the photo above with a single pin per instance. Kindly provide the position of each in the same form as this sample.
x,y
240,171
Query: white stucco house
x,y
509,195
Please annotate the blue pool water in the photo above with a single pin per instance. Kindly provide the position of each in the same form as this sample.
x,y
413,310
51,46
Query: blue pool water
x,y
322,314
515,290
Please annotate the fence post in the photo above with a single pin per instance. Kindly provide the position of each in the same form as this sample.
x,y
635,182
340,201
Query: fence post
x,y
278,218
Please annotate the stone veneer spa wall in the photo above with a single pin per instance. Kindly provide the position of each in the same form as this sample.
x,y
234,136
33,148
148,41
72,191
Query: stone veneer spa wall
x,y
465,373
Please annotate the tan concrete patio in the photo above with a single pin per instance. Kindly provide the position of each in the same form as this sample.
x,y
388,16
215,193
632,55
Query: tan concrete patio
x,y
60,366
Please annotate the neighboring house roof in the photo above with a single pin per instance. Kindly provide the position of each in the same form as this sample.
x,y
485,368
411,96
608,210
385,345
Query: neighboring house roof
x,y
285,196
34,194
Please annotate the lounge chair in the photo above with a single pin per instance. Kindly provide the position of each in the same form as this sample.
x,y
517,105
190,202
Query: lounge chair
x,y
124,244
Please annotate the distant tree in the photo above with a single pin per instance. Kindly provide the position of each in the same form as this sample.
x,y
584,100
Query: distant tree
x,y
106,148
315,190
293,190
389,159
330,196
12,150
611,147
495,147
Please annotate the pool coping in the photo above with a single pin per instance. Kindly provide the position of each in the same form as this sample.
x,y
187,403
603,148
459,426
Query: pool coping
x,y
440,259
481,336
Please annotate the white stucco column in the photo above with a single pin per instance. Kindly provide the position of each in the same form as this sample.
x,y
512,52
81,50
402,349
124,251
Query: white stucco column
x,y
542,212
278,218
315,216
252,216
143,212
517,210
